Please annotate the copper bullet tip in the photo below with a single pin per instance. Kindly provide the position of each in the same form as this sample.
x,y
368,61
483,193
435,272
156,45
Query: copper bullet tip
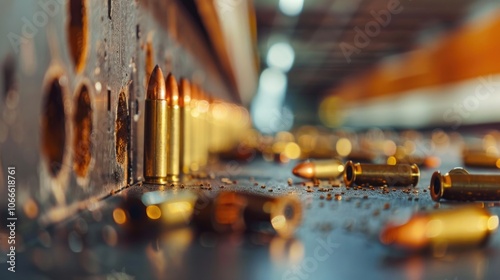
x,y
184,92
304,170
172,90
156,86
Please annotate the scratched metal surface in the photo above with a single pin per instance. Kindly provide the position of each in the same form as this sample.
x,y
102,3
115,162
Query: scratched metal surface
x,y
337,240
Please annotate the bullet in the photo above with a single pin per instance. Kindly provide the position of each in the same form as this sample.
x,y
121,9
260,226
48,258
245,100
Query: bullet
x,y
186,123
195,129
204,128
174,129
467,226
381,174
458,184
281,215
238,212
320,169
476,159
156,130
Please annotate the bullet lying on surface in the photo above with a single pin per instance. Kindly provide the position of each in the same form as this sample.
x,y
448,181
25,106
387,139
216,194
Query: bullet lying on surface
x,y
320,169
238,212
476,159
156,130
381,174
467,226
458,184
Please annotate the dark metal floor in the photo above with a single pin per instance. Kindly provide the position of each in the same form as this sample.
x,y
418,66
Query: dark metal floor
x,y
337,240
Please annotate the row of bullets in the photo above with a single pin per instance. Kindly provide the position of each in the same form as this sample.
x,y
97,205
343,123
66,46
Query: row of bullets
x,y
183,126
438,230
458,184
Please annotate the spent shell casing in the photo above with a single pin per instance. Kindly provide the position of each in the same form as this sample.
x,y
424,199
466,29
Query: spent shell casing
x,y
238,212
477,159
381,174
156,130
466,226
458,184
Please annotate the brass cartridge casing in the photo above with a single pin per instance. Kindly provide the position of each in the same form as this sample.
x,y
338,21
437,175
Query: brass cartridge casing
x,y
475,159
204,128
320,169
236,212
279,214
155,130
186,123
174,130
195,129
458,184
381,174
461,227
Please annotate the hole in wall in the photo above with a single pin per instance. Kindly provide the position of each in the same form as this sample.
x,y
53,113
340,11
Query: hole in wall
x,y
54,127
77,33
121,128
82,144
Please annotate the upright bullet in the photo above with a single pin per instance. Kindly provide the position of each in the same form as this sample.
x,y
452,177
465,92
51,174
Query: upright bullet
x,y
204,129
461,227
186,125
174,130
156,130
458,184
381,174
195,129
320,169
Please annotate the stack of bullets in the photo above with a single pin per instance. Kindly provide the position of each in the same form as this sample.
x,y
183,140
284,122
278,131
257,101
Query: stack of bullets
x,y
183,126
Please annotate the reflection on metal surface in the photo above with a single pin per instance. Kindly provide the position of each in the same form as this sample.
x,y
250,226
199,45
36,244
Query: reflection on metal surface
x,y
458,184
286,251
468,226
380,174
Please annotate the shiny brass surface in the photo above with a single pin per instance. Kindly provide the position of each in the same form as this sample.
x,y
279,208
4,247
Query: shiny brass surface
x,y
381,174
461,227
174,130
186,124
156,130
458,184
481,160
320,169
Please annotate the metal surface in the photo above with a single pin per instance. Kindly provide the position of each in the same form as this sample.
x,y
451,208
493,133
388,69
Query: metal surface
x,y
338,239
400,175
